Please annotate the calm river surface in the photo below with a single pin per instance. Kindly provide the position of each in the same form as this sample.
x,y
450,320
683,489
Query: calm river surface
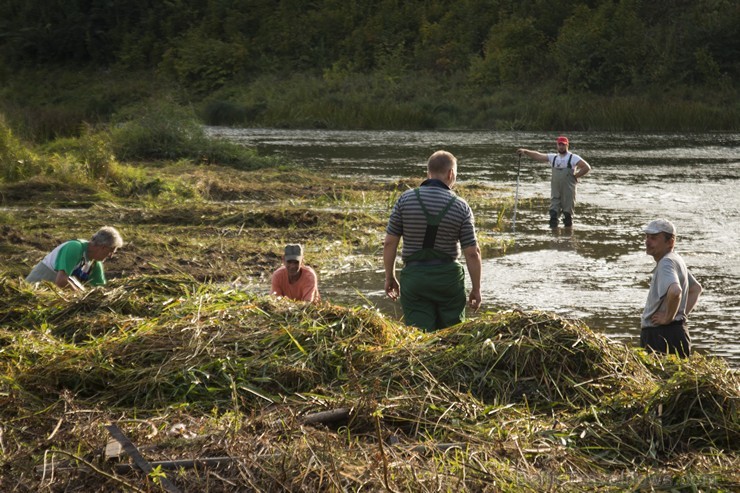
x,y
599,271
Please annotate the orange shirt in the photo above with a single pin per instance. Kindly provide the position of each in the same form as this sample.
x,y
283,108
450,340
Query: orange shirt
x,y
306,288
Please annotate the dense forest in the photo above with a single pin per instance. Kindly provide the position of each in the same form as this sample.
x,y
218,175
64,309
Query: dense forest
x,y
600,48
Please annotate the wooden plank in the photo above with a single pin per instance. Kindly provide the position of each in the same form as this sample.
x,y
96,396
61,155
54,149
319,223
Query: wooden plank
x,y
139,460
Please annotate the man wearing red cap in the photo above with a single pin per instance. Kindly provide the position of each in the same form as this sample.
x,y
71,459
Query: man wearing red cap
x,y
567,168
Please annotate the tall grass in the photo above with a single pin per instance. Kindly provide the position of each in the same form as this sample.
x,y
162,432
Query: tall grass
x,y
45,104
418,101
162,131
167,131
355,101
634,113
17,161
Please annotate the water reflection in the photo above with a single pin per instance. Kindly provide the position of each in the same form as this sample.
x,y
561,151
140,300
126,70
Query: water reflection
x,y
598,271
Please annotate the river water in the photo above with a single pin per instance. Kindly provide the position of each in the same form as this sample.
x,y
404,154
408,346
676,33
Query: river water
x,y
598,271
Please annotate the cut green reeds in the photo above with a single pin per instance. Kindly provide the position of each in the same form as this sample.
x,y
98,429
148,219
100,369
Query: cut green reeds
x,y
512,400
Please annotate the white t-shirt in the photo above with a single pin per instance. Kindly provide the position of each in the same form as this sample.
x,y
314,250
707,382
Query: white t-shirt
x,y
561,162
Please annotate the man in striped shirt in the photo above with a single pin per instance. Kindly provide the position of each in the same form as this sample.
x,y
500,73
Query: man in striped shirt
x,y
435,225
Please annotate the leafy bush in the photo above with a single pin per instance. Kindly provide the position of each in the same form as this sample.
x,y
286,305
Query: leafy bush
x,y
16,161
166,131
92,151
159,131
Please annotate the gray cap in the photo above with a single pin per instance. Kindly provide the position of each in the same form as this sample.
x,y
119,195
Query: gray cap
x,y
293,252
660,226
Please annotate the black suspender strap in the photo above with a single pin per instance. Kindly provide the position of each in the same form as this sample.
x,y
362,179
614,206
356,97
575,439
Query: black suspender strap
x,y
569,159
430,235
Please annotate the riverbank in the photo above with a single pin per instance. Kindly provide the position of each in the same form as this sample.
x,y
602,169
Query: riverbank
x,y
47,103
187,203
187,355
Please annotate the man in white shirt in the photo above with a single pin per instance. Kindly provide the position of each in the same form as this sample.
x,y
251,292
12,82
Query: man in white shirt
x,y
673,294
567,168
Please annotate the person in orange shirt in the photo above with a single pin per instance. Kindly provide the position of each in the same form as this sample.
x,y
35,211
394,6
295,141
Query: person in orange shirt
x,y
293,279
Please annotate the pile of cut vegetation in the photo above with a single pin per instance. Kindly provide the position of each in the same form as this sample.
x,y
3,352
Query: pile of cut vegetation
x,y
222,390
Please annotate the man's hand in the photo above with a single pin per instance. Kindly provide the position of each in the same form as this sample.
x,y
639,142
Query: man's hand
x,y
669,309
537,156
474,300
390,245
65,281
661,318
392,289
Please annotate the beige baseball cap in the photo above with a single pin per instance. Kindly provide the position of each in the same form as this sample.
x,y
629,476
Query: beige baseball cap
x,y
660,226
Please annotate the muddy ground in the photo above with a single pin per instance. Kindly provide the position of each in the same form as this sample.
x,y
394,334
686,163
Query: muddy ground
x,y
233,225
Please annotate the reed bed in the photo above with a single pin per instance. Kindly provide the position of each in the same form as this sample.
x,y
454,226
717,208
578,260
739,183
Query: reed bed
x,y
510,401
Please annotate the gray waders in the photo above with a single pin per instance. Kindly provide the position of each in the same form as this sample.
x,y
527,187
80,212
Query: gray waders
x,y
562,194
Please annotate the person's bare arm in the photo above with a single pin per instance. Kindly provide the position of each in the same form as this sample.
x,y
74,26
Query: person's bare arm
x,y
693,296
669,308
475,267
390,247
582,169
537,156
63,281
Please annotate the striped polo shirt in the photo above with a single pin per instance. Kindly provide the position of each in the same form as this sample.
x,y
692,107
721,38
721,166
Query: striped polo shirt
x,y
456,231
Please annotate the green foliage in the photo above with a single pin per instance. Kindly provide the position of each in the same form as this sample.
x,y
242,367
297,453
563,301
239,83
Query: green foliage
x,y
598,50
203,64
16,160
205,44
385,64
514,53
166,131
450,33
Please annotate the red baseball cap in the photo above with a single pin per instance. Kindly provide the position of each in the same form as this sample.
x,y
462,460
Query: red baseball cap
x,y
563,140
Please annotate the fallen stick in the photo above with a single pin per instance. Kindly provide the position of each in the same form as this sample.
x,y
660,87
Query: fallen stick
x,y
325,417
68,465
177,464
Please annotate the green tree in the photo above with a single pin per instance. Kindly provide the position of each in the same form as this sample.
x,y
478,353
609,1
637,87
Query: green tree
x,y
600,49
449,36
203,64
515,52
